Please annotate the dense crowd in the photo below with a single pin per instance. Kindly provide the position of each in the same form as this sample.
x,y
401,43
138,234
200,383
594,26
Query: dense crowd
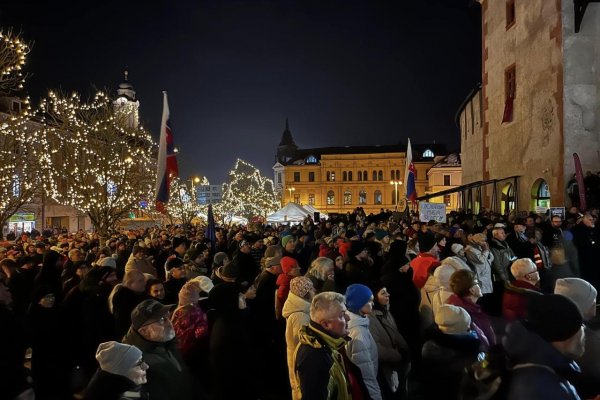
x,y
358,307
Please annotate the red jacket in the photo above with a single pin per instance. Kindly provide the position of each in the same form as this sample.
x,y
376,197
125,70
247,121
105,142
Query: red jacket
x,y
516,297
422,265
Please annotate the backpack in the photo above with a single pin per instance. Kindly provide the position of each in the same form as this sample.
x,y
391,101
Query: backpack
x,y
487,378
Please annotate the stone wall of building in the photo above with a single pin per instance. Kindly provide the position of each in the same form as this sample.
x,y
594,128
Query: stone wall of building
x,y
581,55
530,145
471,140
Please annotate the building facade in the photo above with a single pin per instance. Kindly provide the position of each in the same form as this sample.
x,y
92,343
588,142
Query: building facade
x,y
537,105
339,179
209,194
445,175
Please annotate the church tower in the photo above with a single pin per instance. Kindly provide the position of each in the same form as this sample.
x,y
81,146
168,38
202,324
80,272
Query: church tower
x,y
287,148
127,103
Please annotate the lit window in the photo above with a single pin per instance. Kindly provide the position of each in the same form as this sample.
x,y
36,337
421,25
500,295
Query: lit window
x,y
347,198
311,160
377,197
311,199
428,154
330,198
362,197
332,176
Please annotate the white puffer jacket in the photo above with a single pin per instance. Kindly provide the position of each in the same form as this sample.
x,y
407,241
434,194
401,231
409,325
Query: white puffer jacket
x,y
362,351
296,313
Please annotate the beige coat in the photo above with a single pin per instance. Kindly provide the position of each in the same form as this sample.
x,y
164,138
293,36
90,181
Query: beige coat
x,y
296,313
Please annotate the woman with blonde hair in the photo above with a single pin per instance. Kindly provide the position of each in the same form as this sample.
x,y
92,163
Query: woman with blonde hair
x,y
321,273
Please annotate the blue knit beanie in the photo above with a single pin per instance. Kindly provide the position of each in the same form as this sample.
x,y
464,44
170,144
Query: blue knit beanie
x,y
357,296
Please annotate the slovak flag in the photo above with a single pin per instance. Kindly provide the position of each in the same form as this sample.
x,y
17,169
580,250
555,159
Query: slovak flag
x,y
410,175
167,162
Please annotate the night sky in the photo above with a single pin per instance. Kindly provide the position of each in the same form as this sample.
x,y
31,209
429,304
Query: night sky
x,y
344,72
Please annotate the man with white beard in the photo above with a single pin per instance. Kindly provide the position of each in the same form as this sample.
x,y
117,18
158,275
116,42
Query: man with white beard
x,y
152,332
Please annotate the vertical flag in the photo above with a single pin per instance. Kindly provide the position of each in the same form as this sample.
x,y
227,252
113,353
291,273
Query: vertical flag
x,y
580,182
167,162
409,177
211,232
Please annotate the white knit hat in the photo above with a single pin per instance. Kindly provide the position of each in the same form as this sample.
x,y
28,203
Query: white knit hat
x,y
206,284
580,291
452,319
117,358
456,248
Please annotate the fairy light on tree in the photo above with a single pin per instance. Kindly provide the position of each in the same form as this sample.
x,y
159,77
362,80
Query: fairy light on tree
x,y
24,159
182,206
106,165
248,193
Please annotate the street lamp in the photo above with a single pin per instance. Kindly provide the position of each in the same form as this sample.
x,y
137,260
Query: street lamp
x,y
395,183
192,180
291,189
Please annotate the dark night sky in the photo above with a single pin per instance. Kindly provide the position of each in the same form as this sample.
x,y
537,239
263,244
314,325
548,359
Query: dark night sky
x,y
345,72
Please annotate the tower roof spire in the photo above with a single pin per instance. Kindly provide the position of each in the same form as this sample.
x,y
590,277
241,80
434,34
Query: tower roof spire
x,y
286,138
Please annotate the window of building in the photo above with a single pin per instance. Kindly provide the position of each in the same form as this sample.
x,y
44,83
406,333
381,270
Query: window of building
x,y
510,92
428,154
447,200
374,175
365,176
347,198
446,180
393,175
328,176
360,175
362,197
398,174
330,198
377,197
311,199
296,176
508,198
297,198
333,176
350,176
344,176
380,175
279,177
540,194
510,13
311,160
311,176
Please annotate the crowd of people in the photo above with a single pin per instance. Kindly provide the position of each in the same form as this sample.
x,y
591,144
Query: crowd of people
x,y
357,307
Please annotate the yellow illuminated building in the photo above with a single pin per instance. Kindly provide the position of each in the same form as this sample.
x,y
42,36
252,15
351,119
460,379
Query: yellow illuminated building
x,y
340,179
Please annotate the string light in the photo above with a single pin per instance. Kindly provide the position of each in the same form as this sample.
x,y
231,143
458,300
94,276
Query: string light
x,y
248,193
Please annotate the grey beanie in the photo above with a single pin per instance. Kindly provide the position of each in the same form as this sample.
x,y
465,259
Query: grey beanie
x,y
117,358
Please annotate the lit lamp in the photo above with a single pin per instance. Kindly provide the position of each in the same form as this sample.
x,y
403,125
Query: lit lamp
x,y
395,183
193,180
291,189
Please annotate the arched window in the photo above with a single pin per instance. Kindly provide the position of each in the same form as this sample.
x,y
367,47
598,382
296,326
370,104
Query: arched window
x,y
377,197
350,176
398,174
508,199
344,176
328,176
365,176
374,175
333,176
380,175
360,175
540,194
311,160
393,177
428,154
362,197
330,198
347,198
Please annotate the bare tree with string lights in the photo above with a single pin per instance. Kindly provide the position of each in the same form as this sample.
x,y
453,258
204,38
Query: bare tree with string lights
x,y
105,167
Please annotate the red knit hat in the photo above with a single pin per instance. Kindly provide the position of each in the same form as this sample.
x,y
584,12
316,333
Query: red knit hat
x,y
287,263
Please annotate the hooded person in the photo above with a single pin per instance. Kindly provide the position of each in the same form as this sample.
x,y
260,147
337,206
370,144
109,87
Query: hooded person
x,y
362,349
121,375
583,294
152,332
449,348
296,312
542,349
227,345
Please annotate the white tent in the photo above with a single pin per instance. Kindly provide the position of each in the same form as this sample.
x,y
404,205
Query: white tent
x,y
291,212
313,210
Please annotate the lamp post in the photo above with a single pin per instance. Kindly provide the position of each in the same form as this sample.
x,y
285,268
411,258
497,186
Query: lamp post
x,y
192,180
291,189
395,183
